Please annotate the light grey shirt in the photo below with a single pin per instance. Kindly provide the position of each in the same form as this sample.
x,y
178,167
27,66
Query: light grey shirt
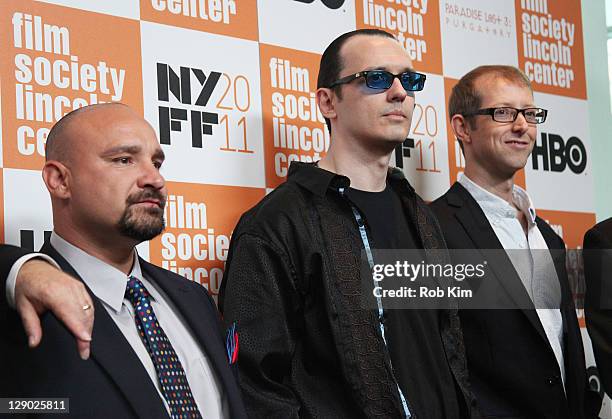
x,y
108,284
533,267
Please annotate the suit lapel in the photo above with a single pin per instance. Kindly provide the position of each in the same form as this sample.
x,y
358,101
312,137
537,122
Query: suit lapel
x,y
204,323
573,350
112,352
477,227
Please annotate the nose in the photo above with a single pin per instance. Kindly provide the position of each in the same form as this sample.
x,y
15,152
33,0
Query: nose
x,y
520,124
396,93
151,177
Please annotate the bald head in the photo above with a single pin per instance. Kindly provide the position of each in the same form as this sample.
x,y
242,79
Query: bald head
x,y
73,124
103,175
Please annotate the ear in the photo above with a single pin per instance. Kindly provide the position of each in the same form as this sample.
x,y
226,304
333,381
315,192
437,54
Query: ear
x,y
57,179
326,99
461,128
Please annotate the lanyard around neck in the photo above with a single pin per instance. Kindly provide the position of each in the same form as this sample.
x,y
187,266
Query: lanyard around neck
x,y
381,312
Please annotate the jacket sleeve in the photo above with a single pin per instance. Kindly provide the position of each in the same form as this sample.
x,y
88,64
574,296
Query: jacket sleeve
x,y
8,256
258,293
598,311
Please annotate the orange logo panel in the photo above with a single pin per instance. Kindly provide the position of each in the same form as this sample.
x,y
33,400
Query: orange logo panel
x,y
236,18
571,226
199,223
416,28
294,128
55,59
550,45
456,160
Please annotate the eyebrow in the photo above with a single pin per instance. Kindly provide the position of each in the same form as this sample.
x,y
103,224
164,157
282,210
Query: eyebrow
x,y
508,105
129,149
380,67
132,149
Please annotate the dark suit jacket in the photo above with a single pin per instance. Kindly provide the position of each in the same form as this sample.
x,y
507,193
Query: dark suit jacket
x,y
513,369
598,302
112,383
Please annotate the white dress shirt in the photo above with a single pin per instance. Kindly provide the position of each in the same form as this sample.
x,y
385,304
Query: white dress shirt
x,y
530,266
108,284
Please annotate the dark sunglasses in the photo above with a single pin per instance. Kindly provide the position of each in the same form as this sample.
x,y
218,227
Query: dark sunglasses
x,y
382,80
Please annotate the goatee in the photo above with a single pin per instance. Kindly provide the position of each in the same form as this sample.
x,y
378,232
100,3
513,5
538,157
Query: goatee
x,y
145,226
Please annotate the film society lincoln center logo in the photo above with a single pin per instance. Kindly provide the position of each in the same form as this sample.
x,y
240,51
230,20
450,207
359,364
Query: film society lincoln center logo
x,y
550,45
56,59
294,128
415,24
236,18
199,223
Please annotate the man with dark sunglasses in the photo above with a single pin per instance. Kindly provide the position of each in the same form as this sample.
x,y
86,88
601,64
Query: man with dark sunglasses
x,y
525,354
308,346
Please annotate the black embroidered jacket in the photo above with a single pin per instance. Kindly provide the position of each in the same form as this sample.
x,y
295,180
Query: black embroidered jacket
x,y
307,348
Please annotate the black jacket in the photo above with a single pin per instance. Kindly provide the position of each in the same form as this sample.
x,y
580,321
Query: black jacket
x,y
292,284
112,383
513,369
598,299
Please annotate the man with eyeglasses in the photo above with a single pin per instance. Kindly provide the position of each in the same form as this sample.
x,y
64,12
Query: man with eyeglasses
x,y
308,346
525,355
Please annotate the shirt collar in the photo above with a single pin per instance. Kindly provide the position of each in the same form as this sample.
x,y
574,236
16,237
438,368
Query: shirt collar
x,y
318,181
105,281
496,206
315,179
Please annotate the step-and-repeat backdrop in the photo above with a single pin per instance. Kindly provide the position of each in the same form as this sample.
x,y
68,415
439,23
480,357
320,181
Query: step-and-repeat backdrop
x,y
229,87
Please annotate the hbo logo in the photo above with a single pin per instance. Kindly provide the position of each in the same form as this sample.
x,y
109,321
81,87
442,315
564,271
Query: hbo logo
x,y
556,154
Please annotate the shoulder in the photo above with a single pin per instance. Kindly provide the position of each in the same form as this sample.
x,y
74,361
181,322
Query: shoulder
x,y
451,200
599,236
8,256
446,206
280,211
176,281
159,271
604,227
440,204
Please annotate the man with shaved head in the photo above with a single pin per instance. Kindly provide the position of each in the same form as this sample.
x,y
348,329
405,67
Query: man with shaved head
x,y
158,350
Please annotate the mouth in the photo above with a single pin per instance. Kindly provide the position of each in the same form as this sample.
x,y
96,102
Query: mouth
x,y
518,143
395,115
149,203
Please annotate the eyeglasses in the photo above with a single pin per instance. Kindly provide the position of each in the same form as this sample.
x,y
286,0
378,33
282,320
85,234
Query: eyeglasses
x,y
506,114
382,80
